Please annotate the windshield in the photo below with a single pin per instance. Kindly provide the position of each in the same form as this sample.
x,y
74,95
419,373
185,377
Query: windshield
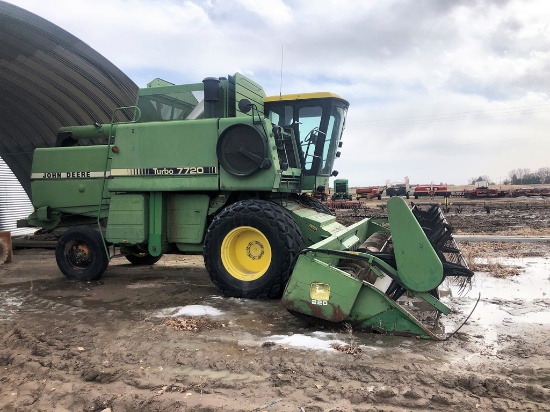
x,y
320,130
334,133
308,125
318,124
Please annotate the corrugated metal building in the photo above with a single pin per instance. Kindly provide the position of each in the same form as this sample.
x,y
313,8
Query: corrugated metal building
x,y
48,79
14,202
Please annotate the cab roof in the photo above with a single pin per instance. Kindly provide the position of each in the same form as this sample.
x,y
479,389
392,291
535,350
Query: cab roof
x,y
304,96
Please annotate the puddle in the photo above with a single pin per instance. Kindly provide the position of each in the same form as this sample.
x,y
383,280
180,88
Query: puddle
x,y
532,284
9,305
506,304
144,285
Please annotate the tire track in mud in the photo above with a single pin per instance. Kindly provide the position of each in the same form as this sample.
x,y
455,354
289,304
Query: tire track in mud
x,y
104,358
15,300
165,370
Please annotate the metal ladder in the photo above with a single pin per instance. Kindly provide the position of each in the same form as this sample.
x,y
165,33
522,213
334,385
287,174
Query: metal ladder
x,y
106,171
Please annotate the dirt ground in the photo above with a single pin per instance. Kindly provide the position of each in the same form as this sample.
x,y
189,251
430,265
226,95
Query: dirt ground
x,y
115,344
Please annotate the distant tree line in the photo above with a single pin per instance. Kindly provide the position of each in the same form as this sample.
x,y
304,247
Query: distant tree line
x,y
525,176
519,177
484,178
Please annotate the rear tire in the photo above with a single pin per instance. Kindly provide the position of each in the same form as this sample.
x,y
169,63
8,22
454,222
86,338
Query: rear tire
x,y
142,259
81,254
250,249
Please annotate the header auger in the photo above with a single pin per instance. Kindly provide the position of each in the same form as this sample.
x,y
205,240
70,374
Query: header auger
x,y
220,169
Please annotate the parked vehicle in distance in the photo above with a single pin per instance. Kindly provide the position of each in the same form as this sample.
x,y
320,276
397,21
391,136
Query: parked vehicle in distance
x,y
341,190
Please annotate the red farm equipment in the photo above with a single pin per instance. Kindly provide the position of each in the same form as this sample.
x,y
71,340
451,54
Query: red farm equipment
x,y
482,190
530,192
431,191
369,192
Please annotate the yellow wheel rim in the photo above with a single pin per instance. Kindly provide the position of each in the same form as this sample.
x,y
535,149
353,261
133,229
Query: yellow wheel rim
x,y
246,253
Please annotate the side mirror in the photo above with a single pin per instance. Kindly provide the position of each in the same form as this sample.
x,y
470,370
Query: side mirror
x,y
245,105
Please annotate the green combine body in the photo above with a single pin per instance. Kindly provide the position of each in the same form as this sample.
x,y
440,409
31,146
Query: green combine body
x,y
341,191
220,169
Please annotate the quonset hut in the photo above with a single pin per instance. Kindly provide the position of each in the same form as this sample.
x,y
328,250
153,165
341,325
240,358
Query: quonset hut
x,y
48,79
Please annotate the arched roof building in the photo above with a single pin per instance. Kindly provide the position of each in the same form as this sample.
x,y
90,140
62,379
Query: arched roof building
x,y
49,79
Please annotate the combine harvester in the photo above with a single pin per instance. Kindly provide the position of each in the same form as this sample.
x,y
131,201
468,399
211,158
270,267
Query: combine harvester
x,y
341,190
341,197
218,168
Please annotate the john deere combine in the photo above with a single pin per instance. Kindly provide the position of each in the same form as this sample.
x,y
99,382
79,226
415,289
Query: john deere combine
x,y
220,169
341,191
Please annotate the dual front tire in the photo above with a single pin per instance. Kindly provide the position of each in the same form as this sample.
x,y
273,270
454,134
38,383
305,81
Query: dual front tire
x,y
250,249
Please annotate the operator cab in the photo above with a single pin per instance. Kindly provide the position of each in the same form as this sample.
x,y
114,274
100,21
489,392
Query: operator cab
x,y
317,121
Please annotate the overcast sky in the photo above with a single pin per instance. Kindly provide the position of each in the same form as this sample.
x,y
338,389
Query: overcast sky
x,y
439,90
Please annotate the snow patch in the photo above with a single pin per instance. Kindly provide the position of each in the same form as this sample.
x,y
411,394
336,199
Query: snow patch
x,y
190,310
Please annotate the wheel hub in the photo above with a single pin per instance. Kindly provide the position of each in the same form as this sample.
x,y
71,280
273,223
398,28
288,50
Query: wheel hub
x,y
246,253
79,255
255,250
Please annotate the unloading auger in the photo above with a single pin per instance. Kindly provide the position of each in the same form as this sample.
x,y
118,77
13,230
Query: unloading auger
x,y
356,276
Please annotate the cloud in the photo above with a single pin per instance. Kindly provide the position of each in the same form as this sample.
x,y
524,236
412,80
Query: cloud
x,y
407,67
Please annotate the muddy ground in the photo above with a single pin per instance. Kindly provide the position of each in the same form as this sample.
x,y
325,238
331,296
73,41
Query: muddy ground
x,y
112,345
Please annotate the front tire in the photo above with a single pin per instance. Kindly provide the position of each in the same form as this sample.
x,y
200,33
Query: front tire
x,y
250,249
81,254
